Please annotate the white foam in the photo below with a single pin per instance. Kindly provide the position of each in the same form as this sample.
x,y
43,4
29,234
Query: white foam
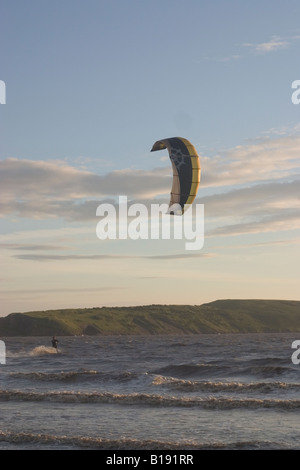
x,y
42,350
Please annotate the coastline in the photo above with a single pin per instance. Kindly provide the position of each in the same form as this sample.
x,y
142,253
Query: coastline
x,y
221,316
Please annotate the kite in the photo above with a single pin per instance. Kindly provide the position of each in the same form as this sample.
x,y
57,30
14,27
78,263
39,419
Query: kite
x,y
186,171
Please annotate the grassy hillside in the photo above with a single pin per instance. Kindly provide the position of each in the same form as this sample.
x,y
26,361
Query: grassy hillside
x,y
221,316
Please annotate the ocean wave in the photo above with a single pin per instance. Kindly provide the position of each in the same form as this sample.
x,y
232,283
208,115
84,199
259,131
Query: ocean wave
x,y
55,376
31,440
91,442
249,368
74,376
209,386
267,370
183,370
154,400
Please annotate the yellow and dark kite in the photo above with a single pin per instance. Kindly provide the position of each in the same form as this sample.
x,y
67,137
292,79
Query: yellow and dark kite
x,y
186,169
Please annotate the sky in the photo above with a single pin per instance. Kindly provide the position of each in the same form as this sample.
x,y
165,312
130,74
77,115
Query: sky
x,y
90,86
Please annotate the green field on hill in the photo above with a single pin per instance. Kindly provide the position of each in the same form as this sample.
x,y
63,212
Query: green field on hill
x,y
221,316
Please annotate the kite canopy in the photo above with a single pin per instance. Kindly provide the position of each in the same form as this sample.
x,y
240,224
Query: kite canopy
x,y
186,170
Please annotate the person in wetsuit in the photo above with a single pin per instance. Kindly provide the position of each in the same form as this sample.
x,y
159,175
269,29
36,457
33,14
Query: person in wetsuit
x,y
54,342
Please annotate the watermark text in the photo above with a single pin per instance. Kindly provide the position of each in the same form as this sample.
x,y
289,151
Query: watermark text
x,y
296,94
2,92
138,222
296,354
2,353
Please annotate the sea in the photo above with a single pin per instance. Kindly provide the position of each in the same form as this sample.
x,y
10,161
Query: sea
x,y
160,393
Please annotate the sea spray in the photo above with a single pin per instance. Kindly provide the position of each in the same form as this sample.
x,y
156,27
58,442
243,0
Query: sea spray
x,y
42,350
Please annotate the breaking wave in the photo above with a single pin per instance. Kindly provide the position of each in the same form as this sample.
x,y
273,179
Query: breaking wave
x,y
31,440
208,386
264,368
154,400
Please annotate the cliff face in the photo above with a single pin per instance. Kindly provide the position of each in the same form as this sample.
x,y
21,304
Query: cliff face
x,y
221,316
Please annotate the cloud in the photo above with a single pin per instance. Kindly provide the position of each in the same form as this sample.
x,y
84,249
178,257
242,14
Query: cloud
x,y
41,257
275,43
25,179
254,180
283,131
268,207
182,256
294,241
40,190
34,187
254,200
269,223
259,160
31,247
59,290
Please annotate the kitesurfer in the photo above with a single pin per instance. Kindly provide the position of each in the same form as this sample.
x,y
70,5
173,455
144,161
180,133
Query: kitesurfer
x,y
54,342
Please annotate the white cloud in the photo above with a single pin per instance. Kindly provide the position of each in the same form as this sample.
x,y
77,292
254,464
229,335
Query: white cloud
x,y
38,189
257,182
275,43
42,257
38,184
29,179
259,208
279,222
254,200
259,160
